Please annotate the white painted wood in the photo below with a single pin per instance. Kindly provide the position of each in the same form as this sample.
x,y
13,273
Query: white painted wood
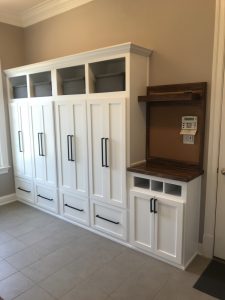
x,y
21,139
74,208
217,96
113,214
46,198
24,189
7,199
141,221
106,119
71,120
43,136
169,229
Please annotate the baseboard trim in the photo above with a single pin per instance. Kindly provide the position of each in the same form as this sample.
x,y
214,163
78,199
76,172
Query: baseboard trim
x,y
7,199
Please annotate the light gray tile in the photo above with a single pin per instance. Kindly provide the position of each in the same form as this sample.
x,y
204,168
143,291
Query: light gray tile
x,y
20,229
60,283
5,237
6,270
35,293
33,236
14,286
11,247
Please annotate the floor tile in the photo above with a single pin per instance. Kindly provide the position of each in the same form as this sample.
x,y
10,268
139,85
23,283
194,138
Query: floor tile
x,y
35,293
11,247
6,270
14,285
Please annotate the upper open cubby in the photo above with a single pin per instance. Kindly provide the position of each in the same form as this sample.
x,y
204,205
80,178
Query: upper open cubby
x,y
18,87
107,76
71,80
41,85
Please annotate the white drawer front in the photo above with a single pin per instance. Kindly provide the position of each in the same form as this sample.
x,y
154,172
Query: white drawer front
x,y
74,208
110,220
24,189
47,198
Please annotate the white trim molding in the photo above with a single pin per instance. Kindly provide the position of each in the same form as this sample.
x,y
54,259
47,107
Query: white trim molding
x,y
7,199
46,9
217,95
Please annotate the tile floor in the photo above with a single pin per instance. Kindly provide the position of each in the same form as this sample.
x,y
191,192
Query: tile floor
x,y
44,258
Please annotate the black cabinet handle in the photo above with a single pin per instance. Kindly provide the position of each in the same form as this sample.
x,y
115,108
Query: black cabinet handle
x,y
102,141
20,144
97,216
155,201
151,205
44,197
74,207
71,148
40,144
106,153
68,147
21,189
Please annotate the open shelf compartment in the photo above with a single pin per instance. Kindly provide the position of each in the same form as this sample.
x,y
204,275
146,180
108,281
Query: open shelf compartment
x,y
41,85
71,80
19,87
173,189
107,76
157,186
140,182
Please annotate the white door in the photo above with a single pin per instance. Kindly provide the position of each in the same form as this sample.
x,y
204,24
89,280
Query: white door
x,y
43,135
168,229
72,146
21,139
141,221
219,246
107,150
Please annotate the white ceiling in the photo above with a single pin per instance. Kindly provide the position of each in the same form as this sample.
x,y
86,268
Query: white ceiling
x,y
24,13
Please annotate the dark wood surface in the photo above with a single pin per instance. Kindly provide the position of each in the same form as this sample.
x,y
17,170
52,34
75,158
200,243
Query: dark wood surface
x,y
167,169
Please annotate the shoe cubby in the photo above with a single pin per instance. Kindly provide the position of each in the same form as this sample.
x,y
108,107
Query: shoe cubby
x,y
173,189
142,183
18,87
41,84
157,186
71,80
107,76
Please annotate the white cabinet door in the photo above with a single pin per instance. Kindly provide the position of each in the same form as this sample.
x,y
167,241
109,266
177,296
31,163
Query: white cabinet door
x,y
43,134
72,146
168,229
21,139
141,221
107,150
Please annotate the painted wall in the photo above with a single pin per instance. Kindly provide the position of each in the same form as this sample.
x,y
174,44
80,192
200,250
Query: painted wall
x,y
12,54
179,31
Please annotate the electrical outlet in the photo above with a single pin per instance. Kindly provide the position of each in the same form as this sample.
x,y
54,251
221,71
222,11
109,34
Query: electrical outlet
x,y
188,139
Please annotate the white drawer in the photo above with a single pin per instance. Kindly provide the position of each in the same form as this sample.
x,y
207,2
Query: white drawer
x,y
109,219
47,198
24,189
74,208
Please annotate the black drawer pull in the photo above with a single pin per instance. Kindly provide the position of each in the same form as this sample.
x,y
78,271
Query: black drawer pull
x,y
155,202
74,207
44,197
26,191
97,216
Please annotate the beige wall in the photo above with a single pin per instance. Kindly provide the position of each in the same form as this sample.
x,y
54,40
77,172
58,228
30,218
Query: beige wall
x,y
12,54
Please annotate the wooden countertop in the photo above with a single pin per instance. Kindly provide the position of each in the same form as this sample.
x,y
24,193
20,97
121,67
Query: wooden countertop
x,y
167,170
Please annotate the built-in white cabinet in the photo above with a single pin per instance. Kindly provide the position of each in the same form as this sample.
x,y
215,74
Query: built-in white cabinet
x,y
71,124
43,138
156,225
21,139
107,150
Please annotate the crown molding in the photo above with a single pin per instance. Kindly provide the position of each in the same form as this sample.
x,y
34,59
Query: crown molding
x,y
40,12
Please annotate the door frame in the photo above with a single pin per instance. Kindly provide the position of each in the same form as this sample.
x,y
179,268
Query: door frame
x,y
217,99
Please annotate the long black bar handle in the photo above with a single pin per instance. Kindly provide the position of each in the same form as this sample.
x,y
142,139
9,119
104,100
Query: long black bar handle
x,y
39,143
151,205
106,152
68,148
49,199
71,148
20,144
102,141
105,219
26,191
42,142
155,203
78,209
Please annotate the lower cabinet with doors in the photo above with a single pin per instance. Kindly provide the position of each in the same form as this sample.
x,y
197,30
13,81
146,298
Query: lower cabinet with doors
x,y
164,221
